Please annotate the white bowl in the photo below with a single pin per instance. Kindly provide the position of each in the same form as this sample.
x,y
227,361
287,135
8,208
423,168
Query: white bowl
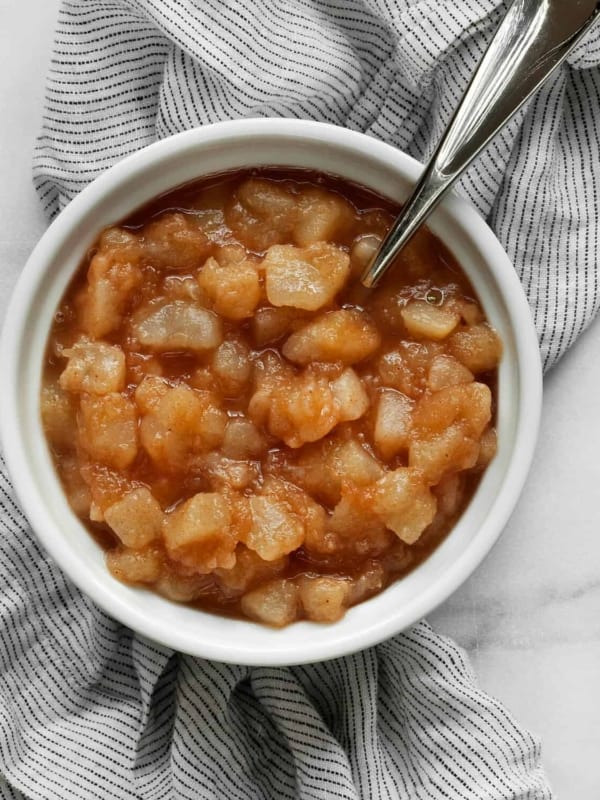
x,y
161,167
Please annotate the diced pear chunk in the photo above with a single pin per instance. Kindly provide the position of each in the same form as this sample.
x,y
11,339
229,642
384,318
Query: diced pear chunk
x,y
406,366
477,347
108,429
324,599
77,490
470,403
233,289
106,486
404,503
370,581
198,533
353,527
350,396
310,513
94,368
450,492
323,216
228,473
58,416
136,518
276,530
311,471
149,392
262,213
424,320
299,411
352,463
452,450
232,367
487,447
113,276
175,240
446,370
248,570
306,278
346,335
180,421
182,287
393,422
469,310
321,469
243,439
363,250
268,199
274,603
270,324
180,325
134,566
181,587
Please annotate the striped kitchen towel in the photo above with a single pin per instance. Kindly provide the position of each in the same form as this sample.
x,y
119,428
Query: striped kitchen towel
x,y
87,708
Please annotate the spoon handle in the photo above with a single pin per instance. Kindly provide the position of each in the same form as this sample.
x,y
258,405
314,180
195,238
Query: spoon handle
x,y
532,39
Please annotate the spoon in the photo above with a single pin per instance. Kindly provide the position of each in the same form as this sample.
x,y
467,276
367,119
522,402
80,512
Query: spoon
x,y
532,39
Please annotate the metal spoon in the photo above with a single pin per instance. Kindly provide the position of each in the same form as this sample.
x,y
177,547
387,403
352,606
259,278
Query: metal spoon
x,y
534,37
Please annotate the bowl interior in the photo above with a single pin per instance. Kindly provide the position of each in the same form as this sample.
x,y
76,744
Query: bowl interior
x,y
154,171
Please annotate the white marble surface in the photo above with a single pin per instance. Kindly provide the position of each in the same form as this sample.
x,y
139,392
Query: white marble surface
x,y
530,616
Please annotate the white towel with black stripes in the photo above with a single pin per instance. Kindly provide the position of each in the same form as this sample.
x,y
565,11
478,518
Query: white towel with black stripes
x,y
87,708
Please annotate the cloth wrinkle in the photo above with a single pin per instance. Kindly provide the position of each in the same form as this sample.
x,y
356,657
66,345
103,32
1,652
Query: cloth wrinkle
x,y
421,63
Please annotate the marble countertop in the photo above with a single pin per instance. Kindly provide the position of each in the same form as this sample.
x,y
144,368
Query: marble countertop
x,y
530,615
